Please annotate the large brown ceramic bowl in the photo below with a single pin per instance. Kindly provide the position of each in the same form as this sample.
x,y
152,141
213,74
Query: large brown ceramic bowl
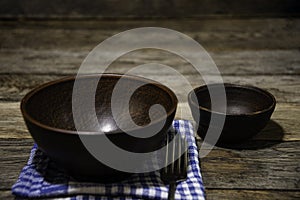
x,y
248,111
47,111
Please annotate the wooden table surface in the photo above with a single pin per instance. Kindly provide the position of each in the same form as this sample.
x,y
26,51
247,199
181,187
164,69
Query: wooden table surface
x,y
261,52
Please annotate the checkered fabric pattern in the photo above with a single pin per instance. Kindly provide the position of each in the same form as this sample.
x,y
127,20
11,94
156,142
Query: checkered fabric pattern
x,y
41,178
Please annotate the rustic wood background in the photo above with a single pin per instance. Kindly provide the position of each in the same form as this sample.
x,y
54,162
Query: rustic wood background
x,y
253,42
112,9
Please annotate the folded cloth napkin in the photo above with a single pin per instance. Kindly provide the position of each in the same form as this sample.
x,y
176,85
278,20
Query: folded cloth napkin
x,y
41,178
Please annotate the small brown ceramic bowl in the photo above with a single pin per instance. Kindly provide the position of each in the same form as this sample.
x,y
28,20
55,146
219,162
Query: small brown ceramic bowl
x,y
248,111
47,111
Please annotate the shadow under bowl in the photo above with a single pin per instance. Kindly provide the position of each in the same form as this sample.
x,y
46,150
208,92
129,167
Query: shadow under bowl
x,y
246,111
48,113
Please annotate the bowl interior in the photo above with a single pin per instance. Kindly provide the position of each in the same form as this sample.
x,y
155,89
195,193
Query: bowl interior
x,y
51,105
240,99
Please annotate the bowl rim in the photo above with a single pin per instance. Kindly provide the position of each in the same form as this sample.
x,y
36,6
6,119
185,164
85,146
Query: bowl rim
x,y
25,99
247,87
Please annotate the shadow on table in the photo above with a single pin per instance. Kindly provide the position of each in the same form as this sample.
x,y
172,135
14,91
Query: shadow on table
x,y
271,135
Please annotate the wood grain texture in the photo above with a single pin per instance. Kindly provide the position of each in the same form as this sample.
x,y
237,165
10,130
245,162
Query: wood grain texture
x,y
286,88
283,127
14,156
251,194
244,62
11,122
256,165
261,52
213,34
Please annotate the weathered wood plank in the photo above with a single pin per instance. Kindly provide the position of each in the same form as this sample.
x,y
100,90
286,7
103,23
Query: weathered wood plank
x,y
11,122
256,165
286,88
233,24
275,167
213,34
14,87
283,127
251,194
262,62
6,194
261,52
14,155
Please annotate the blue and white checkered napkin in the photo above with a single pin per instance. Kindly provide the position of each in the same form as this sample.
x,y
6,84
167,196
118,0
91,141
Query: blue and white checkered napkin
x,y
41,178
